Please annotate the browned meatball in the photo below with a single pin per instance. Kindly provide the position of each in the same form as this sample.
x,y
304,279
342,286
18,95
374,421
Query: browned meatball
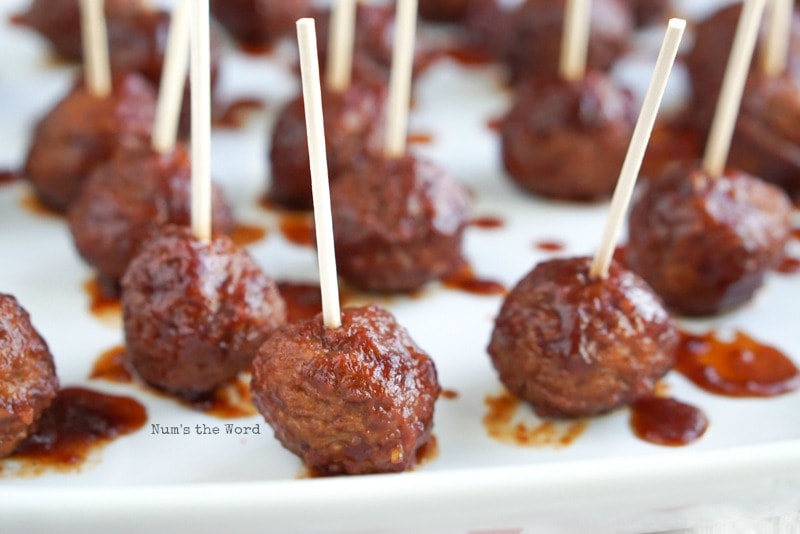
x,y
443,10
194,312
574,346
766,142
534,45
704,244
707,60
59,21
353,121
128,199
82,131
259,22
397,223
352,400
647,12
489,27
28,382
567,140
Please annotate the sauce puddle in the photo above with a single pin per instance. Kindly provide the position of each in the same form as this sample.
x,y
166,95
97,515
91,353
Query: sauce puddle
x,y
235,114
247,234
487,223
666,421
464,279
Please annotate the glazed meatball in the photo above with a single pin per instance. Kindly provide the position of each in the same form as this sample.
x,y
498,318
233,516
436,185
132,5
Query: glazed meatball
x,y
567,140
767,137
703,243
130,198
195,312
28,382
489,27
534,45
353,121
443,10
707,60
398,223
351,400
259,22
59,21
82,131
574,346
648,12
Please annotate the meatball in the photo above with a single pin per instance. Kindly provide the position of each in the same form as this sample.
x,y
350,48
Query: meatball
x,y
648,12
489,27
707,60
703,243
353,121
534,44
28,382
567,140
59,21
351,400
128,199
574,346
259,22
194,312
443,10
82,131
398,223
767,137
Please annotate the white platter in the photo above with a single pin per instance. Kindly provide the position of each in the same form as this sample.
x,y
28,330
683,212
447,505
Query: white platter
x,y
747,465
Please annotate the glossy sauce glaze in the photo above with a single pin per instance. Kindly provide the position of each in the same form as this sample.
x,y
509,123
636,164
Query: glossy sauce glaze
x,y
666,421
487,223
31,203
788,265
230,401
247,234
8,176
502,424
103,301
464,279
742,367
298,228
550,245
76,424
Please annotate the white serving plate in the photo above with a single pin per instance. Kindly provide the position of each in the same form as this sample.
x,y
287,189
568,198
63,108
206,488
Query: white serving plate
x,y
747,465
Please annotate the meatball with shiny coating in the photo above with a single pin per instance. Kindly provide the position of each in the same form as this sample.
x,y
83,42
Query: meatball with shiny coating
x,y
28,382
398,223
353,121
352,400
574,346
705,243
534,45
83,131
259,22
129,199
195,313
567,140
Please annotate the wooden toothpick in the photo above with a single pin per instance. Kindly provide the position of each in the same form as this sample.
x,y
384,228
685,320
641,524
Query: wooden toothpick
x,y
339,70
95,48
400,78
323,221
637,147
779,31
201,119
575,39
730,97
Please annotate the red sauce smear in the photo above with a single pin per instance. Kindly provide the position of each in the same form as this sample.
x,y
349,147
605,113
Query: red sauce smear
x,y
449,394
254,49
18,19
495,124
229,401
550,246
420,138
103,301
621,255
500,422
298,228
302,300
487,223
110,366
464,279
78,422
31,203
246,234
666,421
8,176
742,367
796,233
469,55
788,265
235,113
